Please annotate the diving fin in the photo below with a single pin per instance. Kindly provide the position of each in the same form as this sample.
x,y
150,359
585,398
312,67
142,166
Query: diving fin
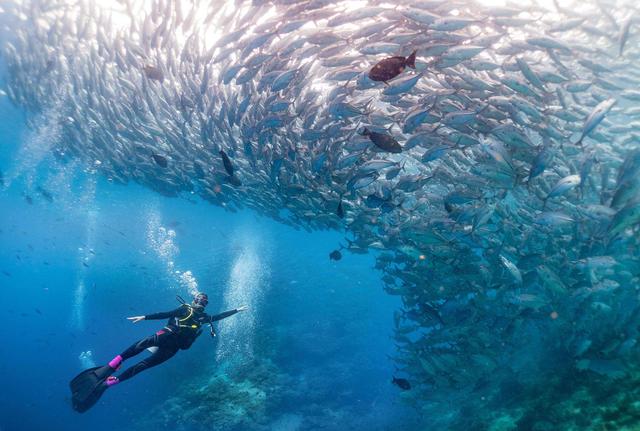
x,y
88,386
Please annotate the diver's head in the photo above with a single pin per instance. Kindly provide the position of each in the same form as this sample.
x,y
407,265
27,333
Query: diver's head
x,y
200,300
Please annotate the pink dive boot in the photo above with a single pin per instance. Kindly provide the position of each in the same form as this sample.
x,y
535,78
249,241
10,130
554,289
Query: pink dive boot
x,y
112,380
116,362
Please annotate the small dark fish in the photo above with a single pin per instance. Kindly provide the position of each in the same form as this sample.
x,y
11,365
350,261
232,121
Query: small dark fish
x,y
153,72
391,67
45,194
227,163
401,383
85,264
38,311
1,179
160,160
8,274
382,141
340,209
29,199
335,255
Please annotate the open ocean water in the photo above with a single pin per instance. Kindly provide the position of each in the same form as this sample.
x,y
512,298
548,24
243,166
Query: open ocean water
x,y
317,334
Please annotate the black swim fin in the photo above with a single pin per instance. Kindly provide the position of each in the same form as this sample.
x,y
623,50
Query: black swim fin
x,y
88,386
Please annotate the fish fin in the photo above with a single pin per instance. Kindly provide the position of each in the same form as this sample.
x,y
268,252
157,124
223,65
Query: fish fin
x,y
411,60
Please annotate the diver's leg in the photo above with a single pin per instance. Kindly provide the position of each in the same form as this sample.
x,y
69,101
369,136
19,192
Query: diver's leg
x,y
161,355
139,346
135,348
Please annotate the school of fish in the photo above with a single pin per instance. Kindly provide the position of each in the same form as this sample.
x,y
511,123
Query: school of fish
x,y
491,154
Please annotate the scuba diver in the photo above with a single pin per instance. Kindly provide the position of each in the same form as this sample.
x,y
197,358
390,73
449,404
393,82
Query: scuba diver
x,y
182,329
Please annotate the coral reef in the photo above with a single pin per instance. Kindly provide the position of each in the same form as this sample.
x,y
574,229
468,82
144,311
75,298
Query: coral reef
x,y
582,401
236,397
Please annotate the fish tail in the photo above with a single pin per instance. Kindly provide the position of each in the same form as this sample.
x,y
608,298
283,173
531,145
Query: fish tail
x,y
367,107
388,129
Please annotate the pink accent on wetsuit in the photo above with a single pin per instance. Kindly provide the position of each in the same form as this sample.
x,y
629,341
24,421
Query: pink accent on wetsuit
x,y
112,380
116,362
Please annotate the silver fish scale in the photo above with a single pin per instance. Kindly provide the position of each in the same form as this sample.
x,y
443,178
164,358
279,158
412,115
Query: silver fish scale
x,y
500,87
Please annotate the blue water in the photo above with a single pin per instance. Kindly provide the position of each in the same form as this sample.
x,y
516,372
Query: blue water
x,y
74,268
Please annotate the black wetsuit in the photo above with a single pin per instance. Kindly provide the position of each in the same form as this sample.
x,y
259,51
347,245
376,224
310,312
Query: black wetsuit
x,y
181,331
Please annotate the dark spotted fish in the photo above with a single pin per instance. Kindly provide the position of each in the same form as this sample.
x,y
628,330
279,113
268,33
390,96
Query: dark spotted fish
x,y
391,67
382,141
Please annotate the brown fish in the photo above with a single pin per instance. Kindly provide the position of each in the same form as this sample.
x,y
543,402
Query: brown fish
x,y
382,141
391,67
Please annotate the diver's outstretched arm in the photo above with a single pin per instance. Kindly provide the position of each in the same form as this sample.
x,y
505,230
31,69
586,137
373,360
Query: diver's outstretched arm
x,y
227,313
178,312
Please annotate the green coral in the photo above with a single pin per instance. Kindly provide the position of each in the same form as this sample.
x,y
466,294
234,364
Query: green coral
x,y
240,396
